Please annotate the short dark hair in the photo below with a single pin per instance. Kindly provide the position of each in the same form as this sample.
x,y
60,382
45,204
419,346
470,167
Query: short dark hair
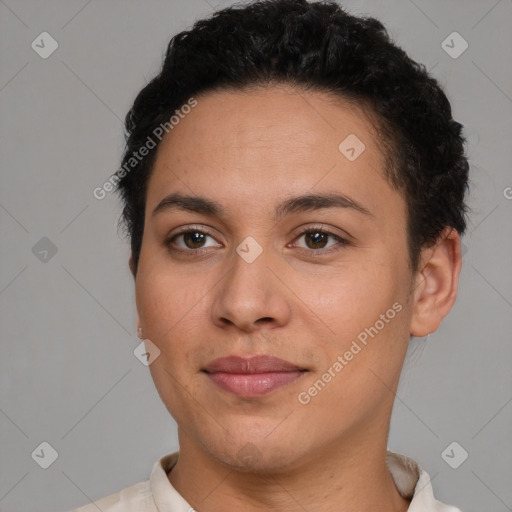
x,y
316,46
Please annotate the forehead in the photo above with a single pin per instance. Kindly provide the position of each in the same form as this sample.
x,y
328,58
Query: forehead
x,y
270,141
276,119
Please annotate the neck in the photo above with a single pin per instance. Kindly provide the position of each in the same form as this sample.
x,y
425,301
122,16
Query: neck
x,y
343,478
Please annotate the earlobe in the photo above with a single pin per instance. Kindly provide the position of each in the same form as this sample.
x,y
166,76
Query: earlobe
x,y
436,283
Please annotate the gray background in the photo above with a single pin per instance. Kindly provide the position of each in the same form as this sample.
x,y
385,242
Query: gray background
x,y
68,375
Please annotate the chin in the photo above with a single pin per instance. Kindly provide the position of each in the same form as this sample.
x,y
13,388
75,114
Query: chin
x,y
256,455
251,459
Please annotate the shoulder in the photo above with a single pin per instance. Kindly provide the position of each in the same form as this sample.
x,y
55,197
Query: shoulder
x,y
142,496
136,497
413,483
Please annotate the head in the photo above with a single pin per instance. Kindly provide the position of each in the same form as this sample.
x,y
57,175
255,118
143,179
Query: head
x,y
305,202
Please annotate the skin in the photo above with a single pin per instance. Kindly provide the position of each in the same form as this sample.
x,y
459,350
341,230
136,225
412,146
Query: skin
x,y
248,151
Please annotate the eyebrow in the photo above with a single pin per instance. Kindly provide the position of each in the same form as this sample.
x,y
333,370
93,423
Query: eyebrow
x,y
307,202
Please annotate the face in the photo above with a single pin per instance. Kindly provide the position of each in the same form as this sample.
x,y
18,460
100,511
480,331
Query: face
x,y
270,230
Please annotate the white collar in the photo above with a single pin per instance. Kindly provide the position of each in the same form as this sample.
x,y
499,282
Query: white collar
x,y
411,481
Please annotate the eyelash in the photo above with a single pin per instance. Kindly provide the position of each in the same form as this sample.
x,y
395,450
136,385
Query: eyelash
x,y
310,229
341,242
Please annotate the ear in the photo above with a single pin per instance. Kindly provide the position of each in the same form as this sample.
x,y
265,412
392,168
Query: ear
x,y
435,285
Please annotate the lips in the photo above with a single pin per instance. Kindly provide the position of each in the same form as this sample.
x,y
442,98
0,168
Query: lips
x,y
252,377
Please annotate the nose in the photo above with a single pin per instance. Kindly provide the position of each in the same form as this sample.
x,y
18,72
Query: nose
x,y
251,295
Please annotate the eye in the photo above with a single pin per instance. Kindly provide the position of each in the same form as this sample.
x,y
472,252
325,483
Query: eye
x,y
317,240
191,241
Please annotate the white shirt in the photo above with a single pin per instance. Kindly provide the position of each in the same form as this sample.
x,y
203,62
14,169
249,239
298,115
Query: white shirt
x,y
158,495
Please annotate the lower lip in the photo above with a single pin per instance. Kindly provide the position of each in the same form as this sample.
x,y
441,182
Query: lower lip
x,y
253,384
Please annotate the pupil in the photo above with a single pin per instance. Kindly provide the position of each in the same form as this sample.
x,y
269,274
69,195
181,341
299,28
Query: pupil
x,y
196,239
317,238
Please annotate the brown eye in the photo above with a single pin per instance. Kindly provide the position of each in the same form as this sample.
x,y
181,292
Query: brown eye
x,y
319,241
193,239
316,239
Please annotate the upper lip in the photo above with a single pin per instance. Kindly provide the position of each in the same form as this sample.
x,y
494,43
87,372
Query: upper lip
x,y
254,364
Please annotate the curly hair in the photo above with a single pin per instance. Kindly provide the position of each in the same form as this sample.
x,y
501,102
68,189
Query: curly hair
x,y
317,46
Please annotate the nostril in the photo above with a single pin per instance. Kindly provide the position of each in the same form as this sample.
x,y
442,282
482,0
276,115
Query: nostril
x,y
265,320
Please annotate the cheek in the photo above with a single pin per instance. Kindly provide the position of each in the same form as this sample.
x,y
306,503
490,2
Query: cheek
x,y
358,379
367,314
353,298
168,311
173,310
166,301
